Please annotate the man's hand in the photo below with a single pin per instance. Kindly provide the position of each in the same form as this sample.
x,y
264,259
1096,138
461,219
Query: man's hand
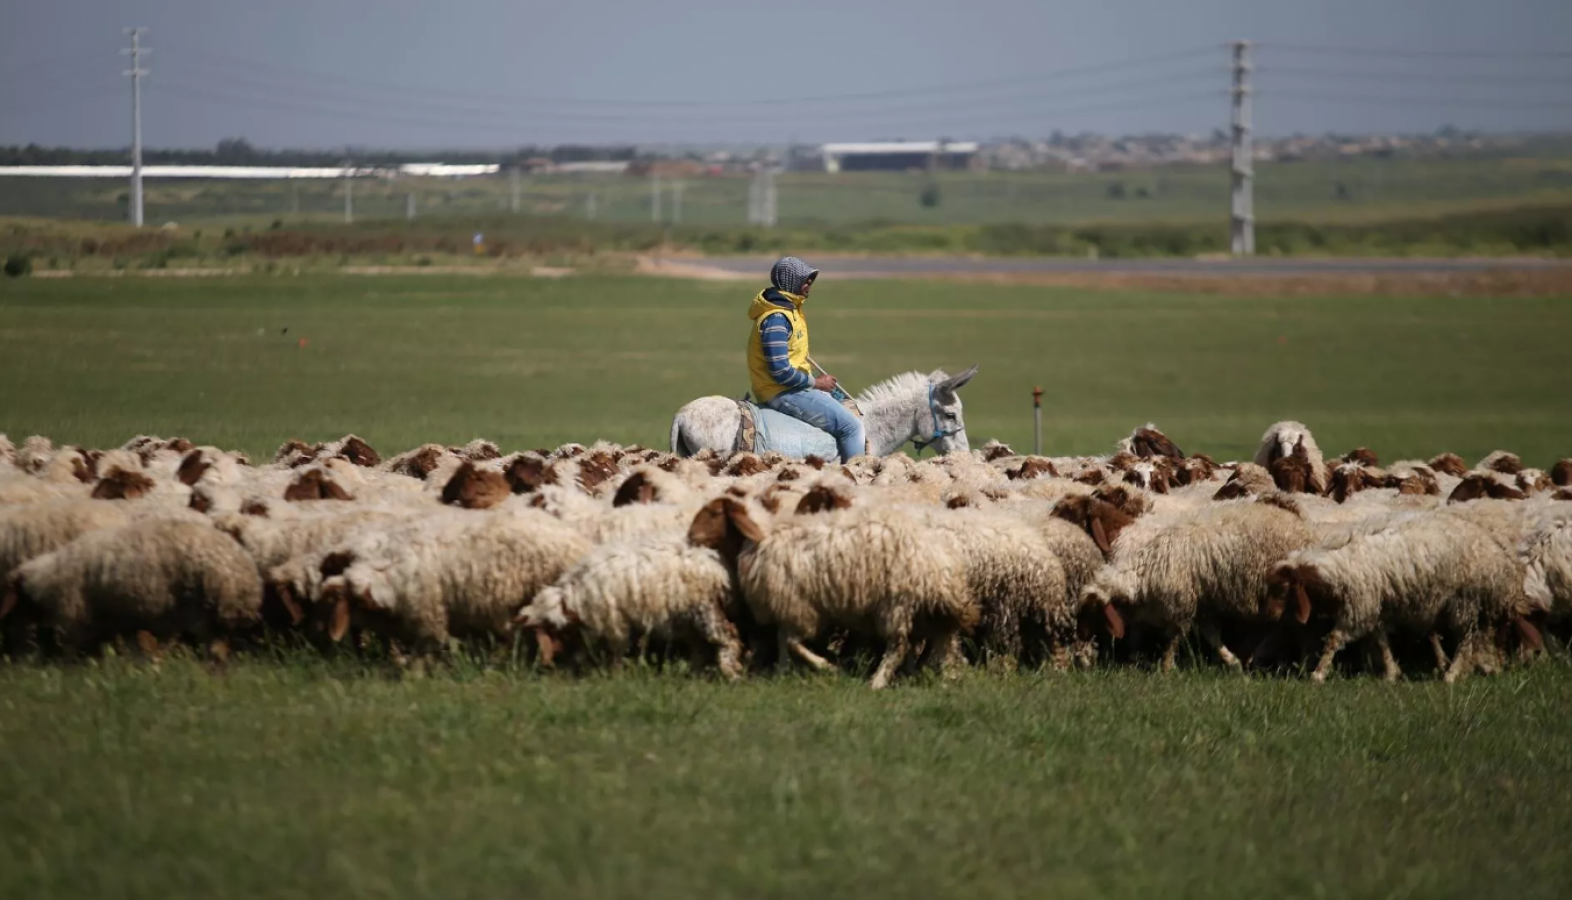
x,y
825,383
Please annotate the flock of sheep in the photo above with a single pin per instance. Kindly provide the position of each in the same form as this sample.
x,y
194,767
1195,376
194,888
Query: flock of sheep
x,y
584,556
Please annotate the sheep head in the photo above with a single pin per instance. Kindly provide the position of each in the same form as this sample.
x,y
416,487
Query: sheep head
x,y
1103,602
1561,473
359,452
1363,456
473,488
192,467
1032,467
1102,521
1298,583
525,474
1478,485
1351,478
637,488
724,525
314,484
1149,442
121,484
822,498
1450,464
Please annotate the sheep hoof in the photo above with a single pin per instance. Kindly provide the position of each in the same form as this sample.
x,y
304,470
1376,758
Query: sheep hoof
x,y
1318,677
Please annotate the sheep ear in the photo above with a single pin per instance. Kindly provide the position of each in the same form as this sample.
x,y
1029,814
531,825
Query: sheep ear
x,y
1301,604
340,624
738,514
956,382
545,647
1115,621
1525,628
708,528
1100,535
286,596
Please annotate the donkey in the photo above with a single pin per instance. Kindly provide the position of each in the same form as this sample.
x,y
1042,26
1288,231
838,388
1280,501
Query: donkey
x,y
923,409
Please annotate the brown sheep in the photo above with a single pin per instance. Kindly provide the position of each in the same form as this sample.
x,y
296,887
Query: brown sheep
x,y
473,488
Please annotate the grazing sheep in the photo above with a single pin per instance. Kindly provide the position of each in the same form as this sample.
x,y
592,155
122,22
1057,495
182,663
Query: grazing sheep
x,y
1422,573
873,571
169,578
1280,441
669,587
1200,568
450,573
1016,580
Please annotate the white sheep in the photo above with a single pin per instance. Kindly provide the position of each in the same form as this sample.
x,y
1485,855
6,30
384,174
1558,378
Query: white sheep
x,y
30,531
672,587
1424,572
168,577
450,573
1197,568
874,570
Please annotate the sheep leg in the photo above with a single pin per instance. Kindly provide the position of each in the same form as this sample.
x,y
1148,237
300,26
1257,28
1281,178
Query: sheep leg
x,y
893,655
1170,652
942,651
728,649
1389,667
1213,636
1334,643
792,646
1442,663
1463,662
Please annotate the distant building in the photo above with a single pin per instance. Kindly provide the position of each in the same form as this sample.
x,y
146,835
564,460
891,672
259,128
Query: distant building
x,y
898,156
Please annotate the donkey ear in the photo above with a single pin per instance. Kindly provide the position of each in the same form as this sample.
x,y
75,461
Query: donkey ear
x,y
956,382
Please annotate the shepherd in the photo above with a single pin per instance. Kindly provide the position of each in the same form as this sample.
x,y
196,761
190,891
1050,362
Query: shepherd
x,y
779,365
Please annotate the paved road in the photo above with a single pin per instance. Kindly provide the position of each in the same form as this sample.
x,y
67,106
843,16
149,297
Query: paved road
x,y
873,265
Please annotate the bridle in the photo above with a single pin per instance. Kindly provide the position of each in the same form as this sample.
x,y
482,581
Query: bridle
x,y
933,410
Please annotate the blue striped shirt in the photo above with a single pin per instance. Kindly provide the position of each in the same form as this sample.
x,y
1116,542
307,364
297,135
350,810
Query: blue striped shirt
x,y
774,330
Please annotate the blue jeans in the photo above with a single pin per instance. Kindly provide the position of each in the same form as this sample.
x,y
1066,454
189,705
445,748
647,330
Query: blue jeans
x,y
825,413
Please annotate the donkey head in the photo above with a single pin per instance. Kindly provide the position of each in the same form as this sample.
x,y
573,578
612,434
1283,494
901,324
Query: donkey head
x,y
940,423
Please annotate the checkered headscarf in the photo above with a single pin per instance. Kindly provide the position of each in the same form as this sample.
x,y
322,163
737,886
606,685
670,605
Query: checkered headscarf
x,y
790,273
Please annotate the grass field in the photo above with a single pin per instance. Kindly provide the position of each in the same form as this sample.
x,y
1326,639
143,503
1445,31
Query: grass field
x,y
298,777
312,779
536,362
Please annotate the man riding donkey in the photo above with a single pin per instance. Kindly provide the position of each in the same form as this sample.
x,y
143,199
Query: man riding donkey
x,y
778,361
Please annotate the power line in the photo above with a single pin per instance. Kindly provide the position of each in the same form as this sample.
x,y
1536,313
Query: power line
x,y
1436,99
406,91
1417,54
937,119
1345,74
331,98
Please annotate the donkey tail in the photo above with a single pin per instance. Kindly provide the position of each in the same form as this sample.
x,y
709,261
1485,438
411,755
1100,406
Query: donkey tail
x,y
676,436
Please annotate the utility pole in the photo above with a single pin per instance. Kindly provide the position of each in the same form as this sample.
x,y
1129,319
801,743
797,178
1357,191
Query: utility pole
x,y
409,206
513,176
136,72
349,194
754,194
654,195
590,203
294,198
1243,219
767,217
676,202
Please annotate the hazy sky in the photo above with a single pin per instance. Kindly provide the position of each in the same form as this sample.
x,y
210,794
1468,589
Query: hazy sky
x,y
499,73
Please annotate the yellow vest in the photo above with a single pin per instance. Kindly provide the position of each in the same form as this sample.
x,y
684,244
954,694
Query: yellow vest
x,y
764,387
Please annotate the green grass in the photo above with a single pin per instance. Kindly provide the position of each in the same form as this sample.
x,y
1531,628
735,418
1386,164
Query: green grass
x,y
534,362
296,776
310,779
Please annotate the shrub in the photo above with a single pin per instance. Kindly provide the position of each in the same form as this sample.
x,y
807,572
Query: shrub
x,y
930,196
18,265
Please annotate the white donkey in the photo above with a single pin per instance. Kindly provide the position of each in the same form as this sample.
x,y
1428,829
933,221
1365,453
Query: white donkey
x,y
923,409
